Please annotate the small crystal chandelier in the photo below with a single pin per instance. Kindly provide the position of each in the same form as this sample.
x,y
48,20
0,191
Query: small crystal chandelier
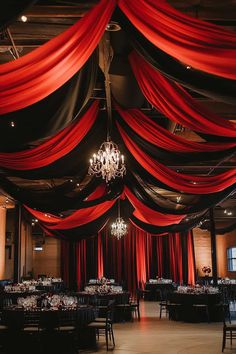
x,y
108,163
119,227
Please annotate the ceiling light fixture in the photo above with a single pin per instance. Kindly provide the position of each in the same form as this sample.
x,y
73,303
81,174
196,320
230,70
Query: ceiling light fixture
x,y
119,227
108,162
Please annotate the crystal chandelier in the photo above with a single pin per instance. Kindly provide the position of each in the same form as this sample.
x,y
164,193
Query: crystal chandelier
x,y
108,163
119,227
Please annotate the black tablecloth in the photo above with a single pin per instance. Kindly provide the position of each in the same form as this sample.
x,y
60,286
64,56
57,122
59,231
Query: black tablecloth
x,y
154,291
186,311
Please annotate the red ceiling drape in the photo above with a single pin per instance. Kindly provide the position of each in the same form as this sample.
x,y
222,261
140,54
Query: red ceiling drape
x,y
175,103
78,218
54,148
35,75
179,181
203,45
149,130
147,215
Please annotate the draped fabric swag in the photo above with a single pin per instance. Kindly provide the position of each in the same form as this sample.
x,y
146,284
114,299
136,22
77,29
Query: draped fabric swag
x,y
203,45
48,67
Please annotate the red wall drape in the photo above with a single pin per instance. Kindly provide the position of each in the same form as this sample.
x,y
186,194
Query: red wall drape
x,y
137,257
203,45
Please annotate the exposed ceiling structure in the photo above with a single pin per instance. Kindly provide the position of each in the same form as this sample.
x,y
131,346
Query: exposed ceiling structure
x,y
47,19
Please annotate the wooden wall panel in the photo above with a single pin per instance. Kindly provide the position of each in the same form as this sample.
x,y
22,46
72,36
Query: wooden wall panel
x,y
48,261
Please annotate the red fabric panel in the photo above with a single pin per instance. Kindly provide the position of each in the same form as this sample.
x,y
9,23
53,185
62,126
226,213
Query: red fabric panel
x,y
173,268
54,148
98,192
141,257
175,103
179,181
100,257
147,215
158,136
160,257
202,45
36,75
78,218
191,265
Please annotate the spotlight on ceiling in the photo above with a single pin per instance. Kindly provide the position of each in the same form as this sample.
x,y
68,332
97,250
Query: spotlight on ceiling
x,y
24,18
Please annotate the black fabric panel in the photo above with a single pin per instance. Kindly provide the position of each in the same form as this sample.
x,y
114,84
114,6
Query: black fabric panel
x,y
205,202
215,87
51,114
170,156
11,9
152,229
73,164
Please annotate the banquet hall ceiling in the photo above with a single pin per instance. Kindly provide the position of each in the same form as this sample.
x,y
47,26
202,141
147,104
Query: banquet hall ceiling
x,y
48,18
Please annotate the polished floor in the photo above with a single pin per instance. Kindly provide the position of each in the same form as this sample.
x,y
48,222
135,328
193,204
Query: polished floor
x,y
161,336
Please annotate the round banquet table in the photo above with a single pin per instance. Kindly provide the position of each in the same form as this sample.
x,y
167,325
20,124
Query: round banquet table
x,y
49,337
10,297
100,301
154,290
186,311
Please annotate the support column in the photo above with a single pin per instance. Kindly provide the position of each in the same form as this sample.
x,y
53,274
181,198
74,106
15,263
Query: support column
x,y
213,247
3,214
17,243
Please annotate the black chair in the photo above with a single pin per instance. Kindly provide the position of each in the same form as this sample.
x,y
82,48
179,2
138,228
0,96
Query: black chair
x,y
229,332
201,308
105,325
123,307
134,304
163,303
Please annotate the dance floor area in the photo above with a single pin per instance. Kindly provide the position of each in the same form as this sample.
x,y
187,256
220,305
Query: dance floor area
x,y
162,336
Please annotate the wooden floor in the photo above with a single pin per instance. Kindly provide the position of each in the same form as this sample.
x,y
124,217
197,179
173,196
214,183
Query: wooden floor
x,y
161,336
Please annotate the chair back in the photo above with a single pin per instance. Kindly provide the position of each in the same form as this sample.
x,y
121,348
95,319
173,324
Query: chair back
x,y
31,318
67,317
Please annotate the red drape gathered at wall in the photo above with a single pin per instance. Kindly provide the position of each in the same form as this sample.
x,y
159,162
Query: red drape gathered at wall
x,y
54,148
34,76
158,136
202,45
179,181
175,103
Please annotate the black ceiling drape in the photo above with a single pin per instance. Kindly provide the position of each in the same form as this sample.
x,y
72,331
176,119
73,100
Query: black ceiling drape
x,y
217,88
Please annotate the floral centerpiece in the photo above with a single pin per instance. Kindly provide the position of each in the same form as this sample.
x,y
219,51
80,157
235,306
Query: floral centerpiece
x,y
206,270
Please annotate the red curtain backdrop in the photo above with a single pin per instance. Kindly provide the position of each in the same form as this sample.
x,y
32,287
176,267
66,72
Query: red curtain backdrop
x,y
202,45
136,258
54,148
100,257
179,181
175,103
149,130
34,76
